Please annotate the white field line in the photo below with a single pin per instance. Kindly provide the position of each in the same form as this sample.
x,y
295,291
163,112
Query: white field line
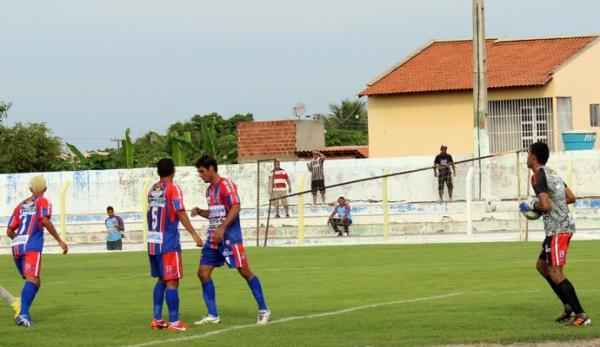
x,y
293,318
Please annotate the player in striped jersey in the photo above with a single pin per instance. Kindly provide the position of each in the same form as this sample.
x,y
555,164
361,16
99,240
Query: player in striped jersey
x,y
166,210
26,230
280,185
224,241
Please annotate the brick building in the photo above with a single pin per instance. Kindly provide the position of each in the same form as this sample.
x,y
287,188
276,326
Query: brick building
x,y
288,140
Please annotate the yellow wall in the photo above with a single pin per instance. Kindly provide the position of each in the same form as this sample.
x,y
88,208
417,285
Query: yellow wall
x,y
416,124
580,79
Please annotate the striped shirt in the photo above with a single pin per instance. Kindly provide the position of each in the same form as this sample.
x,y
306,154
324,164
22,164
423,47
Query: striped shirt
x,y
316,169
280,178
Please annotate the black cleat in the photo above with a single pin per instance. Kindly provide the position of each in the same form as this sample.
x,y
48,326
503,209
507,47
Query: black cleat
x,y
565,317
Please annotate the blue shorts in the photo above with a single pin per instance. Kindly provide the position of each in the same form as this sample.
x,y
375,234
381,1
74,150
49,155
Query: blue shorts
x,y
233,254
166,266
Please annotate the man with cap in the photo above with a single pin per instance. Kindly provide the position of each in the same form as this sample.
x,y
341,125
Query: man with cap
x,y
26,230
441,170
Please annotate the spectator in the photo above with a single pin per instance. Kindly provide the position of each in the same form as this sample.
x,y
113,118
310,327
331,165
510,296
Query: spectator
x,y
317,180
341,215
280,185
441,170
115,227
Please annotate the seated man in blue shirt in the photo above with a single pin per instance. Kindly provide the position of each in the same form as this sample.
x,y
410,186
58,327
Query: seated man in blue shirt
x,y
115,227
341,215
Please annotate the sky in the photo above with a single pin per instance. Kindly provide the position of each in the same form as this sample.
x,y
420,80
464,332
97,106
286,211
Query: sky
x,y
91,68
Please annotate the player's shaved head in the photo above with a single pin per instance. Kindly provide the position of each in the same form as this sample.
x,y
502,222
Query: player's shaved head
x,y
165,167
541,152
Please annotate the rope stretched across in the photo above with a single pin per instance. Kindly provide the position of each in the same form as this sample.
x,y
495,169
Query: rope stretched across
x,y
400,173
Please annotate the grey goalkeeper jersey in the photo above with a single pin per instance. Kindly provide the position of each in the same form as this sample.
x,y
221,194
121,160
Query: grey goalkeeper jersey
x,y
558,220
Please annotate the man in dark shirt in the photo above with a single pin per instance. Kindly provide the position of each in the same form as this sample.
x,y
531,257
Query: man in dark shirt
x,y
442,163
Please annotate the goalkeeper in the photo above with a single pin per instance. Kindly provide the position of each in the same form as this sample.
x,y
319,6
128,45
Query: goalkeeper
x,y
553,196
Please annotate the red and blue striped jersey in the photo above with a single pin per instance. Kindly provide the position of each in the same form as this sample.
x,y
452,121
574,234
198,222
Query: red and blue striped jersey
x,y
220,197
165,199
26,220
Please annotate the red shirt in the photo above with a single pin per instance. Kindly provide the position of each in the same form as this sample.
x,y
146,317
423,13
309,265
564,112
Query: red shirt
x,y
280,178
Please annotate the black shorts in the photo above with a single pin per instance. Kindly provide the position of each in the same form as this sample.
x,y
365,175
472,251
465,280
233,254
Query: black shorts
x,y
317,185
114,245
445,177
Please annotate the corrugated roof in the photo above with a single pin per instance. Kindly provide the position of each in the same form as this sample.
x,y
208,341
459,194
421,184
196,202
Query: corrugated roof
x,y
340,151
447,65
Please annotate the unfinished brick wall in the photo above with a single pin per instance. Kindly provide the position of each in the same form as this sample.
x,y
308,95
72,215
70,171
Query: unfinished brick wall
x,y
260,139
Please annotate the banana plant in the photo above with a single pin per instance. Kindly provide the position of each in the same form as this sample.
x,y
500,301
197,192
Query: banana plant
x,y
178,145
209,137
127,150
77,153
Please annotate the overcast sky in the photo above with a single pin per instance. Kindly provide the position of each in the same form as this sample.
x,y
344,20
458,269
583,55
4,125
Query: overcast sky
x,y
90,69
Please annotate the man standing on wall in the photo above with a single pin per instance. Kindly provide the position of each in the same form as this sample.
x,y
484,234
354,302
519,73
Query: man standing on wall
x,y
441,170
317,180
280,185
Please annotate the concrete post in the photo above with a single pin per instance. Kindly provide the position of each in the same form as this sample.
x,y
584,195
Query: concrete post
x,y
63,213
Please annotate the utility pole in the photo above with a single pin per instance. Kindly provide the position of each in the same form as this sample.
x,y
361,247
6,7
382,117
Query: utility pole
x,y
480,109
118,141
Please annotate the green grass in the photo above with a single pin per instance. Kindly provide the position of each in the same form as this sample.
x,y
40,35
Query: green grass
x,y
106,299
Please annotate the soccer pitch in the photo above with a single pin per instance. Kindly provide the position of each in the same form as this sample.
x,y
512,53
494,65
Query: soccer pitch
x,y
375,295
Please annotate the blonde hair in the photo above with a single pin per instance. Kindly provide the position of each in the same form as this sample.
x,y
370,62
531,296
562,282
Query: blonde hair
x,y
37,184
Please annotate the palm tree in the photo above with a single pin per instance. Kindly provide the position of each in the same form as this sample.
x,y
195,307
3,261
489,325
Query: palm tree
x,y
349,114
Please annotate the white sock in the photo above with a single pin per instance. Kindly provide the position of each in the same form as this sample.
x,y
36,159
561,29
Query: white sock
x,y
6,295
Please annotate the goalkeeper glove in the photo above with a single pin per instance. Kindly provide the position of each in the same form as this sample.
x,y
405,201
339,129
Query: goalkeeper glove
x,y
525,206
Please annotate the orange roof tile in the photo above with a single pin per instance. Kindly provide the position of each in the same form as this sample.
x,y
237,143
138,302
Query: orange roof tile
x,y
447,65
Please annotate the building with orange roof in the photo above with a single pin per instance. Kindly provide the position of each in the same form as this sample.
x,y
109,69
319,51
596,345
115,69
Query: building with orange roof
x,y
537,89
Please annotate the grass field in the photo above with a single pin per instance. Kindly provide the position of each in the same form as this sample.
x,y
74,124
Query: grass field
x,y
418,295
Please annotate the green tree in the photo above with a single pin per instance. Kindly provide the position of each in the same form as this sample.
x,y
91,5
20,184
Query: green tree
x,y
150,148
347,124
4,107
28,148
344,137
107,159
212,134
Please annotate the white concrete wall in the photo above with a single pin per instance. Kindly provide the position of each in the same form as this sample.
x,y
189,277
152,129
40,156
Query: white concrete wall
x,y
411,209
91,191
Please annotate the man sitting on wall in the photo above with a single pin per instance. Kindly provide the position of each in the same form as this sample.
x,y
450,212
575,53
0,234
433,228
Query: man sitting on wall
x,y
341,215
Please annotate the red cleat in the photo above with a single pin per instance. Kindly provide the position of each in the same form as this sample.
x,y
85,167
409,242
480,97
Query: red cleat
x,y
581,320
179,326
158,324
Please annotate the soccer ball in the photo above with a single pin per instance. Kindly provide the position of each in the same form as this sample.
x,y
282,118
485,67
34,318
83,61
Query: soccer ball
x,y
532,215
